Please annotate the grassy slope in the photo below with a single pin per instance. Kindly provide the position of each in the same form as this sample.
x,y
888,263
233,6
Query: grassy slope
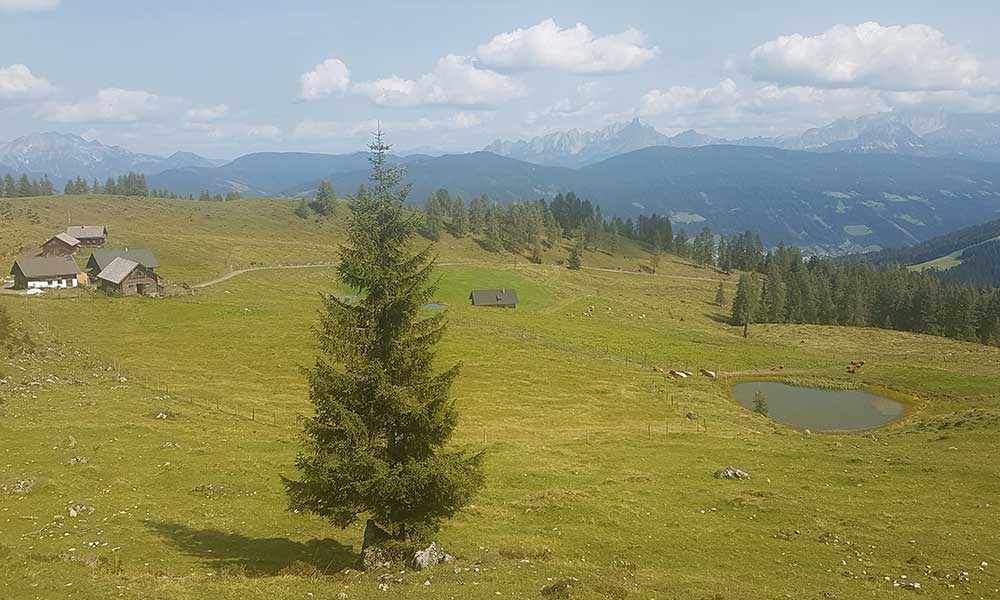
x,y
593,472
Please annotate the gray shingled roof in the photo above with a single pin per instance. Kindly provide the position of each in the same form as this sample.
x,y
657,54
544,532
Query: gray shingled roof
x,y
143,256
118,270
87,231
42,267
65,238
501,297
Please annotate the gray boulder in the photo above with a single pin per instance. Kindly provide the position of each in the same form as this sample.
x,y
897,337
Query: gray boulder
x,y
731,473
429,557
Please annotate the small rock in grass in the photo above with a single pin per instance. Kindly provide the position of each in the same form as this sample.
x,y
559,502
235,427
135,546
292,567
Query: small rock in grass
x,y
731,473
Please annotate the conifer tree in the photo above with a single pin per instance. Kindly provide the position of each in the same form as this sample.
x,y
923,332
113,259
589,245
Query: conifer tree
x,y
459,218
574,261
745,303
376,444
720,295
760,403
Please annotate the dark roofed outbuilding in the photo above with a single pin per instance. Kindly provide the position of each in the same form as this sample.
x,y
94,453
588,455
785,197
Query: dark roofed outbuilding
x,y
45,272
60,244
89,235
504,297
102,258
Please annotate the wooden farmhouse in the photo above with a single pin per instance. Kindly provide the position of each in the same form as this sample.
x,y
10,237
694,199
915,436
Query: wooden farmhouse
x,y
101,259
503,298
127,277
61,244
90,236
31,272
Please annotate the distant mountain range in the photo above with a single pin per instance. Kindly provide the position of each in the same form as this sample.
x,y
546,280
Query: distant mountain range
x,y
885,180
63,156
828,203
576,148
974,136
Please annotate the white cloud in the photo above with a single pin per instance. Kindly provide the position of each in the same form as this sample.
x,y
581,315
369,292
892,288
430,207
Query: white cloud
x,y
726,108
204,114
455,81
16,7
18,83
109,105
328,77
236,130
311,129
575,50
869,55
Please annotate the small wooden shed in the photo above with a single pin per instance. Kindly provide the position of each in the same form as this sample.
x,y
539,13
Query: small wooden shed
x,y
502,298
90,236
61,244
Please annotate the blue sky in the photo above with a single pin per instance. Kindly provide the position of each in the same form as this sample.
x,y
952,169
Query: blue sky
x,y
223,78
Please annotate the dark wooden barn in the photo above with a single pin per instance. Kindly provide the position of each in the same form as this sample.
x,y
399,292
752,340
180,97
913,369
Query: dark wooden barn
x,y
45,272
503,298
60,244
126,277
90,236
100,259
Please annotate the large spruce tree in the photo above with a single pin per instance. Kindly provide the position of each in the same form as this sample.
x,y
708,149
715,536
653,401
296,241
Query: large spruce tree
x,y
376,445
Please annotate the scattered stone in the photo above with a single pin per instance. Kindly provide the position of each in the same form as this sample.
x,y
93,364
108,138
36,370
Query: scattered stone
x,y
209,490
18,486
429,557
71,443
561,588
731,473
78,460
374,558
76,510
342,596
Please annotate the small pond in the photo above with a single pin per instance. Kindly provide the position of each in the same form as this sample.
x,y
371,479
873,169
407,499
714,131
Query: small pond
x,y
820,409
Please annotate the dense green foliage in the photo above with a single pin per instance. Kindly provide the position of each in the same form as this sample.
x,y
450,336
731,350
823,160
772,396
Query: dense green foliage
x,y
24,187
980,265
826,292
375,445
933,248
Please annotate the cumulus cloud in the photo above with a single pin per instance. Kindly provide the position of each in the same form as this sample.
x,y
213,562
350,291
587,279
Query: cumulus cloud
x,y
235,130
870,55
575,50
17,7
18,83
328,77
207,113
770,109
311,129
109,105
455,81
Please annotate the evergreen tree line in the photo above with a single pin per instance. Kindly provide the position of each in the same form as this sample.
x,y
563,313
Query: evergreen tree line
x,y
131,184
790,289
980,265
135,184
24,187
528,227
206,196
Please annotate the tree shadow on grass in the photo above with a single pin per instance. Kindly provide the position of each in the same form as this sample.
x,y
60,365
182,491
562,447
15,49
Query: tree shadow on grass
x,y
719,317
258,557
